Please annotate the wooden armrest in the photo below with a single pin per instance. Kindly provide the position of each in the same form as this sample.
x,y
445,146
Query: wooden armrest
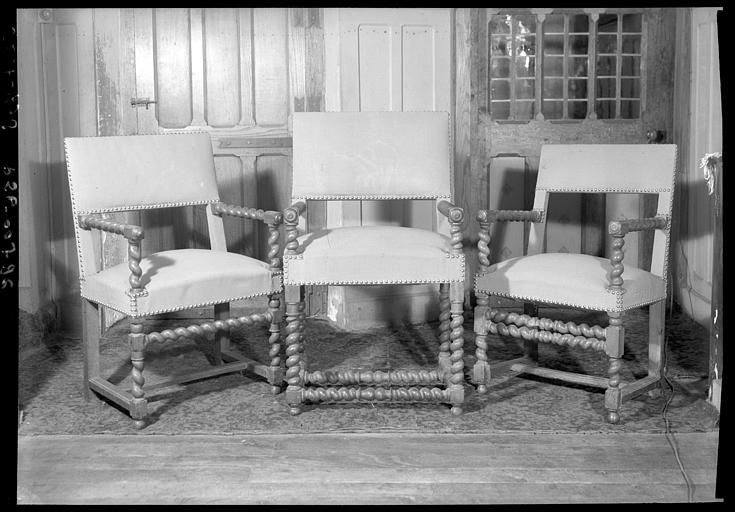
x,y
134,235
266,216
455,214
487,216
130,231
618,229
622,227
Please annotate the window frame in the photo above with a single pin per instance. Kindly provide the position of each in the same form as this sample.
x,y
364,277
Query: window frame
x,y
592,57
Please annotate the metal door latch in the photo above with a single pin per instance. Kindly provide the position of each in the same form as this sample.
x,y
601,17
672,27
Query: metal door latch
x,y
139,102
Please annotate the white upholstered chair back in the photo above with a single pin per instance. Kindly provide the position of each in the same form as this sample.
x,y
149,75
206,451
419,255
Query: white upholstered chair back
x,y
138,172
608,168
372,156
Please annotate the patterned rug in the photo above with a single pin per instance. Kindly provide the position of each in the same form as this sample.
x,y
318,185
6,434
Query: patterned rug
x,y
51,401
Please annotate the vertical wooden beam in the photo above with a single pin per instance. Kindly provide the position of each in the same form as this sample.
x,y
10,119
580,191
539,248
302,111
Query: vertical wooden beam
x,y
465,124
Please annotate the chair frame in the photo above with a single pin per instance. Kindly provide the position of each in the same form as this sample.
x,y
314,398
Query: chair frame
x,y
402,385
532,329
135,400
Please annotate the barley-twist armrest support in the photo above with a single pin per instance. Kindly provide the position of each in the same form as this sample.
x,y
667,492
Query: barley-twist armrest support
x,y
618,229
485,217
134,234
291,220
267,216
623,227
272,218
455,215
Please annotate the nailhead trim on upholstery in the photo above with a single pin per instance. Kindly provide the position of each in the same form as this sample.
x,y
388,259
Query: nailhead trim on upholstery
x,y
287,258
593,307
604,190
181,308
148,206
350,197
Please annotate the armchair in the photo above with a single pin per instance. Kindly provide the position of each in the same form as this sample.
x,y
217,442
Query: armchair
x,y
577,280
369,156
141,172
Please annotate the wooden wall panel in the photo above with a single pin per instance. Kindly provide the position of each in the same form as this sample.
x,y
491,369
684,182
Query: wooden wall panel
x,y
172,40
375,61
222,73
419,87
270,53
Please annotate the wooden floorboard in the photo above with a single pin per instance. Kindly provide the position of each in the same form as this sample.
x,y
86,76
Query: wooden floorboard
x,y
364,469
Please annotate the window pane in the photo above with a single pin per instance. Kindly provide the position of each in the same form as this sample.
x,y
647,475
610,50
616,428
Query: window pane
x,y
554,66
607,23
500,89
525,66
577,67
631,66
629,109
500,109
500,25
630,88
554,23
526,45
526,24
577,88
577,110
499,46
605,109
500,68
607,43
553,45
525,89
631,23
632,44
579,23
553,88
578,45
605,88
606,66
553,109
524,110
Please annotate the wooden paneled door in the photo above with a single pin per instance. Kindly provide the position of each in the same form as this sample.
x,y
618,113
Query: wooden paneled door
x,y
386,60
563,76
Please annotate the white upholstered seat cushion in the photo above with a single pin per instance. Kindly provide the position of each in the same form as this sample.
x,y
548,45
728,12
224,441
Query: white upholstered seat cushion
x,y
577,280
182,279
373,255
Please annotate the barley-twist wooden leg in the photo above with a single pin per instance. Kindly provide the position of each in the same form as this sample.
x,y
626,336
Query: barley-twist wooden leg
x,y
139,404
444,321
302,327
294,372
456,341
614,349
274,341
481,370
